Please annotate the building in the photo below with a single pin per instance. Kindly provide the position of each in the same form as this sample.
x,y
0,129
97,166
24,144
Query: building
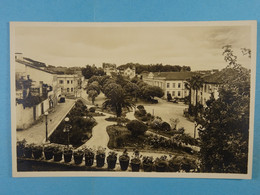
x,y
128,72
171,82
69,84
211,84
109,69
37,91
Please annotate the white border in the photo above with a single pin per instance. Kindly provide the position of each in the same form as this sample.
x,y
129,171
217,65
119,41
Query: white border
x,y
15,173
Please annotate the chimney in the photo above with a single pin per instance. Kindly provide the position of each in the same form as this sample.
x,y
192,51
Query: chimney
x,y
19,56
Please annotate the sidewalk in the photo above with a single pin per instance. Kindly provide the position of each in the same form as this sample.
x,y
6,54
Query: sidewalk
x,y
37,132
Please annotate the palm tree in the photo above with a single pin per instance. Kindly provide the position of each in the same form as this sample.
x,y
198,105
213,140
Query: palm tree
x,y
117,100
195,83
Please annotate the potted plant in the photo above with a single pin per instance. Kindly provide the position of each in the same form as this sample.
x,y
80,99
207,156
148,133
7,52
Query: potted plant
x,y
161,164
148,163
124,160
78,156
37,151
174,164
111,160
89,157
67,152
48,151
57,153
27,151
20,148
135,161
100,157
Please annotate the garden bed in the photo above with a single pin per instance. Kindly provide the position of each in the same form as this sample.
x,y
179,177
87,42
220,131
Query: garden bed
x,y
120,138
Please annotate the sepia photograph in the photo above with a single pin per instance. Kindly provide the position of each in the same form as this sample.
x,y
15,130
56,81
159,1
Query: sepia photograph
x,y
136,99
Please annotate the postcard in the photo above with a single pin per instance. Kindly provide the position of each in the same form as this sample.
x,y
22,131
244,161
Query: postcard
x,y
136,99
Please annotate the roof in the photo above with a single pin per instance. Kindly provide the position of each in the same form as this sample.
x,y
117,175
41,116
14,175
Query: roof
x,y
221,76
32,66
174,75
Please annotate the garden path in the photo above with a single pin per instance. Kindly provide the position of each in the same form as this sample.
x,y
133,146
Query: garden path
x,y
99,133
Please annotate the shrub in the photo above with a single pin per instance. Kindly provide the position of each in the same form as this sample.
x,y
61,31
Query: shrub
x,y
165,126
136,127
140,107
144,118
92,109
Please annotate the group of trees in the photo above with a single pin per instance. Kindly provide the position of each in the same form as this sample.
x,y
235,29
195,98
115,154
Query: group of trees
x,y
155,67
90,71
224,123
120,91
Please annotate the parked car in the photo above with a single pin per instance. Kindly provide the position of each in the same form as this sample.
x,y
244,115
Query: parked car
x,y
62,99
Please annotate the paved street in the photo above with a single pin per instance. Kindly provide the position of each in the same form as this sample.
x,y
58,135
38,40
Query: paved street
x,y
36,133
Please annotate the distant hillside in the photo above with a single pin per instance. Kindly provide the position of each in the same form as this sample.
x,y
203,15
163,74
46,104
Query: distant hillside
x,y
155,67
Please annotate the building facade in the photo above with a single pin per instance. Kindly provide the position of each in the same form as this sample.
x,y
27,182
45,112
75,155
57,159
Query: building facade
x,y
172,83
36,85
128,72
69,84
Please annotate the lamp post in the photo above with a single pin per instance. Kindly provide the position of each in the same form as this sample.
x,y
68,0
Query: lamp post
x,y
67,129
46,124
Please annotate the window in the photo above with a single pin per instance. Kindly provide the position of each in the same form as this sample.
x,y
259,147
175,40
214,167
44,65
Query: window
x,y
179,93
61,89
173,93
179,85
71,81
205,88
168,85
68,89
168,92
173,85
68,82
71,89
61,81
185,93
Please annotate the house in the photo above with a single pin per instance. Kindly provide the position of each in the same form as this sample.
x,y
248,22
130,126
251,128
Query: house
x,y
128,72
171,82
69,84
109,68
36,91
210,86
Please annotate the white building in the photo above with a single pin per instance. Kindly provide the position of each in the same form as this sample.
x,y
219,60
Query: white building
x,y
43,86
69,84
171,82
210,87
128,72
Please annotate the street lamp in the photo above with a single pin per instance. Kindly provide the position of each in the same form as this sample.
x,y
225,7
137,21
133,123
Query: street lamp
x,y
67,129
46,124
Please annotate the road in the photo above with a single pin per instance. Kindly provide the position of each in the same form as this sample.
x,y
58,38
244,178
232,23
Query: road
x,y
37,132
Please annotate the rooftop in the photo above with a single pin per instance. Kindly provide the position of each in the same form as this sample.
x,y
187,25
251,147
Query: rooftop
x,y
173,75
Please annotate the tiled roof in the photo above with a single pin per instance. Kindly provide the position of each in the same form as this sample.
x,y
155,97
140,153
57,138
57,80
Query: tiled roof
x,y
221,76
174,75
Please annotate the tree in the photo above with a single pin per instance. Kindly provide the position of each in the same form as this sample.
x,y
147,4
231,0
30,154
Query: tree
x,y
195,83
117,99
152,91
136,127
93,90
132,90
224,125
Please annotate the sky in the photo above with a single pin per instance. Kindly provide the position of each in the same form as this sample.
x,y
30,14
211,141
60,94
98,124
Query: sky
x,y
199,47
